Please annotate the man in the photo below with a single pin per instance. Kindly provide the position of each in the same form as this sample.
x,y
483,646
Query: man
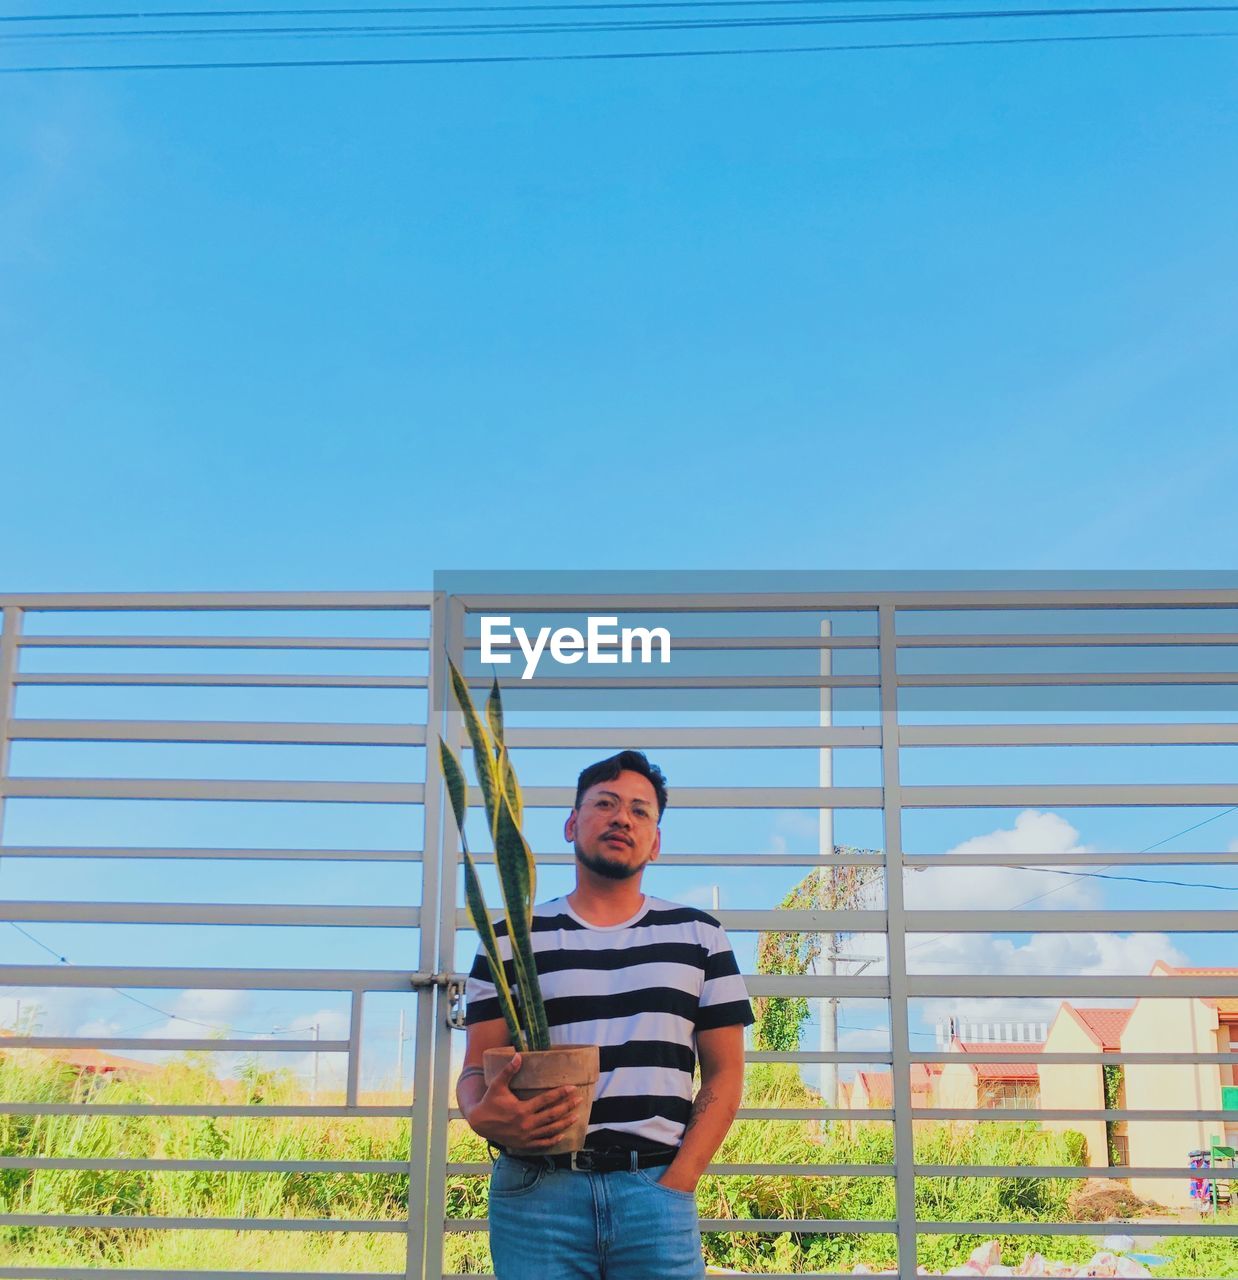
x,y
657,987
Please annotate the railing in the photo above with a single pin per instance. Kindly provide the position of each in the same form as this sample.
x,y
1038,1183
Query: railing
x,y
834,673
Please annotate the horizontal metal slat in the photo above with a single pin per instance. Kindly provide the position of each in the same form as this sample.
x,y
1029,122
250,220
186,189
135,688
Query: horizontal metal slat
x,y
801,1226
251,1044
790,1113
230,732
364,643
816,1055
694,644
1031,735
704,737
174,601
206,979
765,1275
725,797
216,1110
980,600
716,861
125,679
1011,921
224,789
1076,1059
212,855
1033,986
1066,679
209,913
1070,640
1146,1228
923,861
816,984
1057,1113
103,1165
740,921
481,1168
162,1273
148,1222
1124,794
1050,1171
654,682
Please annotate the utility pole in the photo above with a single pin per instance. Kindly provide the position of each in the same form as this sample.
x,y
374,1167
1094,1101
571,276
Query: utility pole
x,y
399,1054
828,1021
314,1087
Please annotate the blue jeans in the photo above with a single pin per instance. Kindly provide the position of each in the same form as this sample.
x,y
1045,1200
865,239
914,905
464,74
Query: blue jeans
x,y
559,1224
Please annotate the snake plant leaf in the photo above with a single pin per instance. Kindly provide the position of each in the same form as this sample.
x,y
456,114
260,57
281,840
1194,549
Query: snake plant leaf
x,y
457,790
457,786
513,857
483,748
490,944
515,801
494,715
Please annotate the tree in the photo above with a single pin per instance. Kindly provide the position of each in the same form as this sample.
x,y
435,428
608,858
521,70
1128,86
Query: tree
x,y
780,1019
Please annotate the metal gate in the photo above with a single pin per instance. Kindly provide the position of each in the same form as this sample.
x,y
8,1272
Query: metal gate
x,y
1085,663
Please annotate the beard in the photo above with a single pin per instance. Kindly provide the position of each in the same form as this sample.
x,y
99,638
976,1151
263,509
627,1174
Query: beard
x,y
609,868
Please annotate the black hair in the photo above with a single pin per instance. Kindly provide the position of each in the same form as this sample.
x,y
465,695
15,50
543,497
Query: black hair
x,y
625,762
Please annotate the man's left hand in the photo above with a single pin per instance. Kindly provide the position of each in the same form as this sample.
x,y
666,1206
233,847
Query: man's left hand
x,y
672,1182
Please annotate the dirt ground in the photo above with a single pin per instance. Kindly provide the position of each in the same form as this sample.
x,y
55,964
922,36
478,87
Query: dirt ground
x,y
1101,1200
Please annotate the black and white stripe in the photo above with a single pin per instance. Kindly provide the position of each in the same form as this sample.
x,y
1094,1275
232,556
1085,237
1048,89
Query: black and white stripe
x,y
641,990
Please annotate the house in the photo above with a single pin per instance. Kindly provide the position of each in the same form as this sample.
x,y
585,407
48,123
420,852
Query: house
x,y
1188,1024
976,1085
872,1089
89,1062
1081,1086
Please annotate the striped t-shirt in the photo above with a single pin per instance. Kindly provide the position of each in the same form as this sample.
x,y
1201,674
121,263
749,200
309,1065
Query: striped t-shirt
x,y
641,990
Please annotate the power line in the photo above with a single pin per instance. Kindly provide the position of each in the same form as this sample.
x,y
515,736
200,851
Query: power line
x,y
391,10
613,25
1081,875
276,64
163,1013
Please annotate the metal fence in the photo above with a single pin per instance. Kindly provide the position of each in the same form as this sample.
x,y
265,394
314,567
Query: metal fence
x,y
884,673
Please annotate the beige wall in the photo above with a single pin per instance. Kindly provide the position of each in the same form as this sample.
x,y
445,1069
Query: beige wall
x,y
1065,1085
956,1086
1158,1026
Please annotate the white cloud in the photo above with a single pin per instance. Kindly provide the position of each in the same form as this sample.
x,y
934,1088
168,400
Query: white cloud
x,y
866,1038
700,896
1081,954
98,1029
332,1024
1005,888
987,887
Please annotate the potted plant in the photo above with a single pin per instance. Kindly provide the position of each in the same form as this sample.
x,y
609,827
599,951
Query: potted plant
x,y
542,1065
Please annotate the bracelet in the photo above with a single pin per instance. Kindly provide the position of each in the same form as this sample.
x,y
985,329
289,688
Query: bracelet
x,y
470,1071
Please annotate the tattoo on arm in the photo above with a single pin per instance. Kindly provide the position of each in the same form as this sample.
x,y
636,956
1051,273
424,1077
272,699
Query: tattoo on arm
x,y
703,1101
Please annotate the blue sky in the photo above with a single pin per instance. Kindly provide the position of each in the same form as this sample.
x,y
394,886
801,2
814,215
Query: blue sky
x,y
920,309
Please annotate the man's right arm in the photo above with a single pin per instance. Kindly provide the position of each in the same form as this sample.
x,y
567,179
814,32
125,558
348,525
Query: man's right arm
x,y
495,1113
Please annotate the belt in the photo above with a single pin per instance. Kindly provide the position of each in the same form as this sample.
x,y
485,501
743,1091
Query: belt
x,y
601,1161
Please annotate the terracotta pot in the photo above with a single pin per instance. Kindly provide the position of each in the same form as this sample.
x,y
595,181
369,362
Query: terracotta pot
x,y
542,1069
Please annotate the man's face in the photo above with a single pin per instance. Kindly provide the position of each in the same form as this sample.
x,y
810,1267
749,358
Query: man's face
x,y
615,828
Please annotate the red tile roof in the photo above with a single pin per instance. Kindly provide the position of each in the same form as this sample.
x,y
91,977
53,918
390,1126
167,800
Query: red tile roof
x,y
92,1060
1000,1070
1226,1006
1105,1026
877,1085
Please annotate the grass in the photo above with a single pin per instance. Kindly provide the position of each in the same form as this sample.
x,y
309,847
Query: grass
x,y
383,1197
